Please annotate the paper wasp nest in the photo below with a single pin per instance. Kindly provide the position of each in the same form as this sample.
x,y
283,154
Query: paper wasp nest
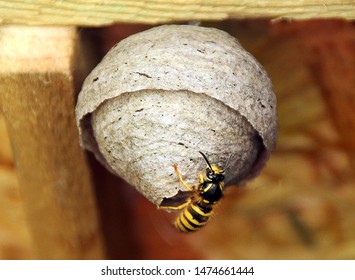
x,y
160,96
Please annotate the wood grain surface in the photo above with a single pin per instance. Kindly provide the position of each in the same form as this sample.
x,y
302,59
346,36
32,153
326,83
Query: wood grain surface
x,y
37,99
100,13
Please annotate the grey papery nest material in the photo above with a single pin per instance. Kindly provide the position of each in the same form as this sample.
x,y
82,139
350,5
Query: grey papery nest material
x,y
160,96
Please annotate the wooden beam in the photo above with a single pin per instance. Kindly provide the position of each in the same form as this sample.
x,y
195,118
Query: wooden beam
x,y
38,98
100,13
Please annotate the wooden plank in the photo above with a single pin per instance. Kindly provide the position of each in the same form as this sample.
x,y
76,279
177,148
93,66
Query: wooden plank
x,y
100,13
332,60
37,99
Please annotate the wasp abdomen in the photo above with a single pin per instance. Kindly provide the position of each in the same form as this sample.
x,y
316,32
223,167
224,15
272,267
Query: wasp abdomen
x,y
195,215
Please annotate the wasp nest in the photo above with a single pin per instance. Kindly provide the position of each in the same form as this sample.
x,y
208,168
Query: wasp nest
x,y
160,96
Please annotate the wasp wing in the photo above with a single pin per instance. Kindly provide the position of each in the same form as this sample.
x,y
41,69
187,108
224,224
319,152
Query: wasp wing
x,y
178,201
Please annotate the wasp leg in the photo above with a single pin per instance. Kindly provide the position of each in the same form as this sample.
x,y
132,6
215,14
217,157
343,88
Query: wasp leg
x,y
200,179
173,207
180,178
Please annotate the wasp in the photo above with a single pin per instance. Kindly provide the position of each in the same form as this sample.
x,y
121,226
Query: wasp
x,y
199,201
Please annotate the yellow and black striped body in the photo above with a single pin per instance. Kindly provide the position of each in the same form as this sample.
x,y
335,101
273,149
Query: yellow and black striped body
x,y
194,216
200,208
197,209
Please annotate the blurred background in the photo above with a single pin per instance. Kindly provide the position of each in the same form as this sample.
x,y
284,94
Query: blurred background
x,y
302,206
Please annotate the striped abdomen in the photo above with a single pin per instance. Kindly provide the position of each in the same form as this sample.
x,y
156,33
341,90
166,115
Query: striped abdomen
x,y
194,216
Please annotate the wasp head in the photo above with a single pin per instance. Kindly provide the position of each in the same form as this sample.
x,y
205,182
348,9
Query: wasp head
x,y
213,172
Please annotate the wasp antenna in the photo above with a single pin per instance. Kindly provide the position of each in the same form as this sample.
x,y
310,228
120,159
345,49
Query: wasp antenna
x,y
228,161
208,163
